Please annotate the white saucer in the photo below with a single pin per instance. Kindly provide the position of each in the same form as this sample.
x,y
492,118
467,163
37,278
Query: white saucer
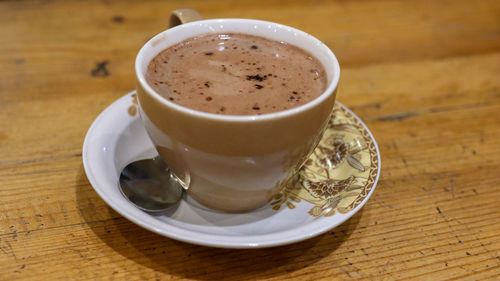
x,y
316,204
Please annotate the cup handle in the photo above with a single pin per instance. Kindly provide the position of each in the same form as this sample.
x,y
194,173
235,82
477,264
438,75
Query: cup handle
x,y
184,15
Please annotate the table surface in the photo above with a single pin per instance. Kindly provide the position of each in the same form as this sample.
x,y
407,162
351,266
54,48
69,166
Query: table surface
x,y
423,75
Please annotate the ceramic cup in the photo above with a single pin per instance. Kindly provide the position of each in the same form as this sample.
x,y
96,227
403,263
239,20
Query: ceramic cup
x,y
233,163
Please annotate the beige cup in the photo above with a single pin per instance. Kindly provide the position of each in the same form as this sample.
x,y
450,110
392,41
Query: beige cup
x,y
233,163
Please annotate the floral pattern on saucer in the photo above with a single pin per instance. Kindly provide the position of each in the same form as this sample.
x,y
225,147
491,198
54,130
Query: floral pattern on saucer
x,y
340,172
134,107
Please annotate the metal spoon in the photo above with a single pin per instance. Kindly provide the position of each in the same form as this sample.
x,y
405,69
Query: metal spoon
x,y
150,185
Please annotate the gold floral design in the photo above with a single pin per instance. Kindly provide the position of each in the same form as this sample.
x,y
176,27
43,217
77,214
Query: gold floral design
x,y
340,172
133,108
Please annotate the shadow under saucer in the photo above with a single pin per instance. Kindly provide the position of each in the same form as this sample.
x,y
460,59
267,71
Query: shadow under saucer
x,y
160,254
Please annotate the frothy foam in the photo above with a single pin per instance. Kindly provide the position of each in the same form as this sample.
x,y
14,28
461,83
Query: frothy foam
x,y
236,74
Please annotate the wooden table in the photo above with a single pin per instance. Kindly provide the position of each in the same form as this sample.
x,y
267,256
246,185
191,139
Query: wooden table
x,y
423,75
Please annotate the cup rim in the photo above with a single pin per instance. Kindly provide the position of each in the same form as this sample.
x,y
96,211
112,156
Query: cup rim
x,y
330,89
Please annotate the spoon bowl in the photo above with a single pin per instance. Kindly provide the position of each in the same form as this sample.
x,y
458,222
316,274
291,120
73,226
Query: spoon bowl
x,y
150,185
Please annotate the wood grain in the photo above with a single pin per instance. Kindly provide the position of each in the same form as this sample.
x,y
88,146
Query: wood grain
x,y
423,75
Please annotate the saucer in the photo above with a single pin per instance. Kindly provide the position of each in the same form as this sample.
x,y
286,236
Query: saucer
x,y
334,183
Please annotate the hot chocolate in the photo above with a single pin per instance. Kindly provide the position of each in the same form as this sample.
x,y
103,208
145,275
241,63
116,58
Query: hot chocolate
x,y
236,74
